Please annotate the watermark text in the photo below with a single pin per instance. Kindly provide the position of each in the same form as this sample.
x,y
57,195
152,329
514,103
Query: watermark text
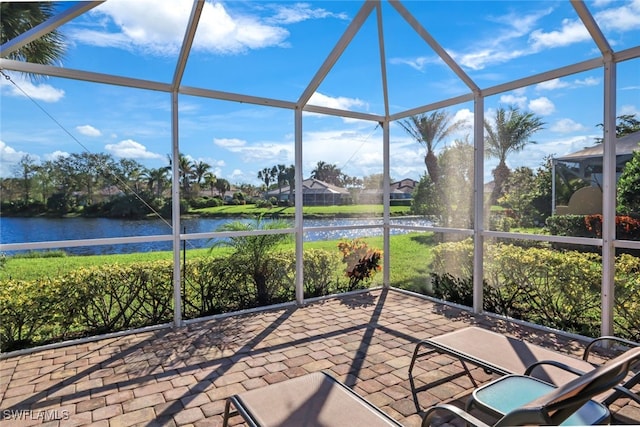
x,y
33,414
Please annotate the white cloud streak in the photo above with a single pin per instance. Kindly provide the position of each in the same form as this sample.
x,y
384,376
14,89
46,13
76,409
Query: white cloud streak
x,y
25,88
129,148
158,27
88,130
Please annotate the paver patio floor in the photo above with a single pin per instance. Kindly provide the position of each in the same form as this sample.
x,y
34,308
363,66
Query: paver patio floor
x,y
181,377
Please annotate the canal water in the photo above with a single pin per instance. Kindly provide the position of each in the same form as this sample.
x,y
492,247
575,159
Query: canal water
x,y
25,230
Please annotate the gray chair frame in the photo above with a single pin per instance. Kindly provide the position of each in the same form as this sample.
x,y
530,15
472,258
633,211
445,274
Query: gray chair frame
x,y
559,404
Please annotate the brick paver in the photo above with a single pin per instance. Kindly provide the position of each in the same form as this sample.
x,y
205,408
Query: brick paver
x,y
182,376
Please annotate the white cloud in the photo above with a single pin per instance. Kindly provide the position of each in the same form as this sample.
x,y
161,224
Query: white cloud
x,y
341,102
508,43
552,85
566,126
236,174
571,32
465,115
502,45
589,81
519,101
542,106
10,158
572,144
220,32
158,27
88,130
418,63
259,152
229,143
629,109
299,12
623,18
25,88
131,149
56,155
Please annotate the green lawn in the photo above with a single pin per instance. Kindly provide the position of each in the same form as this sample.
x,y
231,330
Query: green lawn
x,y
410,257
322,211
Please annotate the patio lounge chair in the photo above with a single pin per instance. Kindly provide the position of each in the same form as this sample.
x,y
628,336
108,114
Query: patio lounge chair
x,y
312,400
505,355
524,400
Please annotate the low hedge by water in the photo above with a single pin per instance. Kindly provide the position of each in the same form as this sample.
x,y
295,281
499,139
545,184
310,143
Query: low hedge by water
x,y
108,298
559,289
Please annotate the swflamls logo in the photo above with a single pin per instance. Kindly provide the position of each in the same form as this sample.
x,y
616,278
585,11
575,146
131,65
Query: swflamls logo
x,y
30,414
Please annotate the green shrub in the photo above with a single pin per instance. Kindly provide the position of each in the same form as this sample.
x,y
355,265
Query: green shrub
x,y
627,296
400,202
121,297
321,272
568,225
30,311
552,288
454,259
264,204
453,288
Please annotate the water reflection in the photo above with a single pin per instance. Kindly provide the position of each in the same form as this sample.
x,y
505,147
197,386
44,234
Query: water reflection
x,y
23,230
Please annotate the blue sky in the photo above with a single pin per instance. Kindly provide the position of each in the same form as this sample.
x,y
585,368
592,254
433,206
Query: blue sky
x,y
274,49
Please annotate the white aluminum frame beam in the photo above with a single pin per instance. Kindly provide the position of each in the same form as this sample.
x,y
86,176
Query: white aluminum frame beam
x,y
337,51
422,32
183,56
608,62
592,27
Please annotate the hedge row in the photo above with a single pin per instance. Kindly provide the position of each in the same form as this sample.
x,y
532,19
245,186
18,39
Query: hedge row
x,y
110,298
627,226
559,289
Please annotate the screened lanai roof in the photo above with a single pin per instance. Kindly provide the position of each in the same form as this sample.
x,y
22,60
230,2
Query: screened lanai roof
x,y
348,65
230,82
443,51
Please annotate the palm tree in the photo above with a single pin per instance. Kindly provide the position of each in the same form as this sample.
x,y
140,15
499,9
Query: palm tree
x,y
267,175
282,178
222,185
429,130
290,178
210,181
509,134
199,171
253,251
156,178
327,173
18,17
186,170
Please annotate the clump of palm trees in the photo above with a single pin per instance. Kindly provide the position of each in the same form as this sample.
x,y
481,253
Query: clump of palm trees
x,y
508,133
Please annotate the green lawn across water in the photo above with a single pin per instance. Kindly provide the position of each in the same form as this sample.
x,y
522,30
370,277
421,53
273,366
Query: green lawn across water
x,y
308,211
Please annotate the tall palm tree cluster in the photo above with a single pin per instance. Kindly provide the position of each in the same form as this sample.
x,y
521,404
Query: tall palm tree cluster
x,y
509,133
281,175
196,176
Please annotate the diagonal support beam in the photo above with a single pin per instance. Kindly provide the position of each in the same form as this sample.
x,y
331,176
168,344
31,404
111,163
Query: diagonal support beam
x,y
337,51
593,28
434,45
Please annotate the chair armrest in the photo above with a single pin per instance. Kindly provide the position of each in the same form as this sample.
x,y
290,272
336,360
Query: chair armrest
x,y
607,338
554,363
470,419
